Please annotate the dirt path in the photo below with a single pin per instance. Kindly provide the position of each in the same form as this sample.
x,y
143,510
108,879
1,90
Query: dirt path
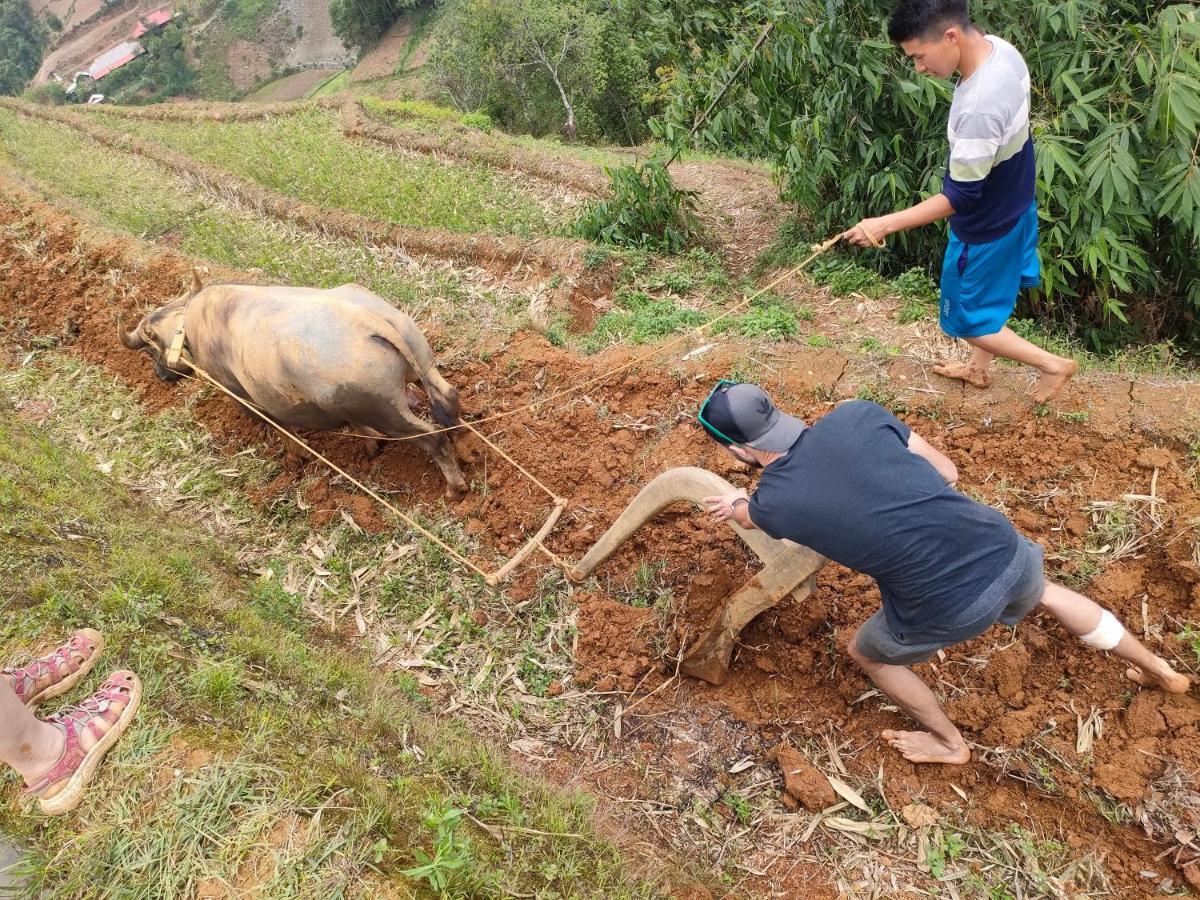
x,y
1017,701
317,45
739,206
381,60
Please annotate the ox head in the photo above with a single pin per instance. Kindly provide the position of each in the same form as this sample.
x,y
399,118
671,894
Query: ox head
x,y
154,332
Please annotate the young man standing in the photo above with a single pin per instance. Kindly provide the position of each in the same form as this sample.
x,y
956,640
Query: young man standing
x,y
988,192
862,489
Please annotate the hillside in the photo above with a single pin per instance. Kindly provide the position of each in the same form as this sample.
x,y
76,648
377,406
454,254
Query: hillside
x,y
235,46
340,685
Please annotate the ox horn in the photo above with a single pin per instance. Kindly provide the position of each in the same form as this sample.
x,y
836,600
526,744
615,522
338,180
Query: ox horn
x,y
131,340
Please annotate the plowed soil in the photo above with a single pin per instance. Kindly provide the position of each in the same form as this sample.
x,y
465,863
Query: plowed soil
x,y
791,675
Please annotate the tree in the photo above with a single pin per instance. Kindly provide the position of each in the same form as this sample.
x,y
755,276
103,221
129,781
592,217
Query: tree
x,y
541,66
559,40
167,70
22,42
360,23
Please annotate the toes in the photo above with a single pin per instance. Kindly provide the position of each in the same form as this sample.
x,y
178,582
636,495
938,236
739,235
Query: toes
x,y
1138,676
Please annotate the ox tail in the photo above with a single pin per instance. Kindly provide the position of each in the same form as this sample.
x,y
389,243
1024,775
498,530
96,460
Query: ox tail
x,y
410,343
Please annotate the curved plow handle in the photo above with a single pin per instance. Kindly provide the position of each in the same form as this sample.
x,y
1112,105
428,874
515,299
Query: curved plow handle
x,y
672,486
789,568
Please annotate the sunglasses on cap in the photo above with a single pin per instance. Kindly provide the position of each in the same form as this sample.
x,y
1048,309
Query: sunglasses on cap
x,y
722,386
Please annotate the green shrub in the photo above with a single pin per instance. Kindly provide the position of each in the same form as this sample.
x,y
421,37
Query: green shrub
x,y
641,319
769,318
919,293
644,210
774,321
49,94
844,276
480,120
854,132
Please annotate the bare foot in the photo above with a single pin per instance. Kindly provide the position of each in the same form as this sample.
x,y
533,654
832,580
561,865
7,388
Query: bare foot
x,y
1171,681
963,372
1051,381
923,747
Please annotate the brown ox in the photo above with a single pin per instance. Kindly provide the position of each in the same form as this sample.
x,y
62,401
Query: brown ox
x,y
309,358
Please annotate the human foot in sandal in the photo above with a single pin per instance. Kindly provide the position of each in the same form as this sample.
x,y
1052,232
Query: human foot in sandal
x,y
89,730
57,672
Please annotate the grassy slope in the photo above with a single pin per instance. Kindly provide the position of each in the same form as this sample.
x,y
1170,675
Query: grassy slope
x,y
306,157
250,720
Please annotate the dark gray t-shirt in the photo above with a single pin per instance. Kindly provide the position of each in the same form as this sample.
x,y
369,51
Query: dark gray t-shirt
x,y
851,489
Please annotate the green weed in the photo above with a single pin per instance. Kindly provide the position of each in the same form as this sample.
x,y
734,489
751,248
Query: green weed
x,y
878,392
641,319
843,276
451,852
1114,811
948,849
1190,638
644,209
918,293
740,805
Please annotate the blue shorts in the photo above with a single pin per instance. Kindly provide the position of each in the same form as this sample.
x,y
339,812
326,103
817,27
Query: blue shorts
x,y
980,282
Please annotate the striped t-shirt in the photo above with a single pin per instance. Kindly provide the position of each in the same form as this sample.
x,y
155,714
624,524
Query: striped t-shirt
x,y
990,182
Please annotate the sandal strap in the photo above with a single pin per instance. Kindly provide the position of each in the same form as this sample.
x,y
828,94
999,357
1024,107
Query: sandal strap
x,y
72,755
97,706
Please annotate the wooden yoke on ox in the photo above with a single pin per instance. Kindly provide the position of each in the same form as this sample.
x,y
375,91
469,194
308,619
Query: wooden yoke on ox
x,y
788,568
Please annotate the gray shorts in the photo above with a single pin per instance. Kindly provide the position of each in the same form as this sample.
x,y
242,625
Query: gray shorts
x,y
1014,600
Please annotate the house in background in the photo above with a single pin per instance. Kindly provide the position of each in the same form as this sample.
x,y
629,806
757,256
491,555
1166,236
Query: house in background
x,y
126,51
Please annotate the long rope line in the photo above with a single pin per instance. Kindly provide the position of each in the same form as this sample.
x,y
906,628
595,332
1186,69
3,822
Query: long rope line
x,y
516,465
699,330
416,526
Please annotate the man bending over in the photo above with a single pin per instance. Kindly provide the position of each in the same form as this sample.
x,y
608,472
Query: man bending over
x,y
864,490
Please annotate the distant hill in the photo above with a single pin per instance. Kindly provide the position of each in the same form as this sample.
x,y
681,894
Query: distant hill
x,y
236,45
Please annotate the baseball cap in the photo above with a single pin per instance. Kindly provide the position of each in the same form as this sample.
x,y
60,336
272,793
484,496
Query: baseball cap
x,y
738,413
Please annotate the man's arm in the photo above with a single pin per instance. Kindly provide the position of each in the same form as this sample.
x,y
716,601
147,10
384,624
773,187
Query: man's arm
x,y
731,506
944,465
934,209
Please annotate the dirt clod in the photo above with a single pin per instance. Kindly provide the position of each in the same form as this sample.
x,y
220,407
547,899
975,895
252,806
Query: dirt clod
x,y
1154,458
1144,717
802,780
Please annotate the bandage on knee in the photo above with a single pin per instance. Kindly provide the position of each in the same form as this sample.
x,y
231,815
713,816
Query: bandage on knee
x,y
1107,634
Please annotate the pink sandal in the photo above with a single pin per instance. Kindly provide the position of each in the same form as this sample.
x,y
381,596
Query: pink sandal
x,y
76,767
75,658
